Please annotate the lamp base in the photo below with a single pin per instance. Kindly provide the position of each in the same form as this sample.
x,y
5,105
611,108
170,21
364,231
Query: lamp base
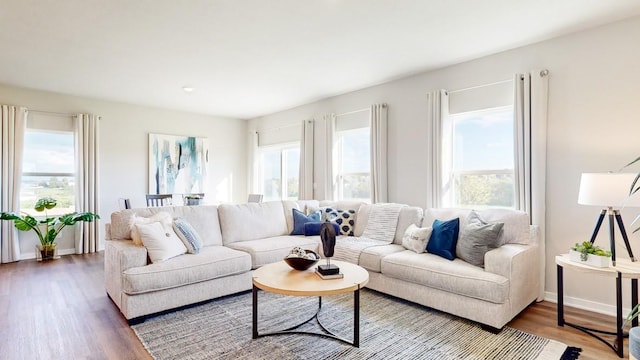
x,y
329,269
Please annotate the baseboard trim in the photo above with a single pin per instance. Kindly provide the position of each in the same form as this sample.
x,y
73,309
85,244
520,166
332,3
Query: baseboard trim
x,y
32,255
583,304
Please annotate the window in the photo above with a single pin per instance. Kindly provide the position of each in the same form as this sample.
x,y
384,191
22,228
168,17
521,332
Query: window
x,y
482,159
279,172
353,153
48,170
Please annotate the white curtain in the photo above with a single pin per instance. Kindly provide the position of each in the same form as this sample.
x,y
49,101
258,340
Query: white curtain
x,y
379,188
87,234
305,187
531,100
252,151
330,175
14,124
438,107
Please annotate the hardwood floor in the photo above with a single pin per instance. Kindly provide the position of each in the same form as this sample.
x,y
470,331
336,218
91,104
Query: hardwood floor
x,y
59,310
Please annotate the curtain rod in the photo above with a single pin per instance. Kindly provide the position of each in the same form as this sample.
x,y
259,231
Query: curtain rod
x,y
480,86
357,111
51,113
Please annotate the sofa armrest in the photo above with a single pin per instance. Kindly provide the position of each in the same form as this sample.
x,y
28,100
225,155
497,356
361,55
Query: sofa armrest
x,y
120,255
520,264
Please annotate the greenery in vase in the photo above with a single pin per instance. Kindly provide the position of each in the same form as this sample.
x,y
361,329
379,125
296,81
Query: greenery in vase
x,y
586,248
48,228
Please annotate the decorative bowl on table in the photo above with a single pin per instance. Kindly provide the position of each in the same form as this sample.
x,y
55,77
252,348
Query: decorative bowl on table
x,y
301,259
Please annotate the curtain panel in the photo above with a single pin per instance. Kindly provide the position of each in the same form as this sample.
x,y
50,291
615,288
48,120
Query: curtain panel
x,y
252,166
531,102
437,111
330,165
14,125
379,186
305,184
87,235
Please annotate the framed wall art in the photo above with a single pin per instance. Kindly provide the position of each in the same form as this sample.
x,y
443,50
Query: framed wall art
x,y
178,164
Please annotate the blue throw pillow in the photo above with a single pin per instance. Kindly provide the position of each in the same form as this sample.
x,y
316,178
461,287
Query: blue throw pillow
x,y
444,238
313,228
299,219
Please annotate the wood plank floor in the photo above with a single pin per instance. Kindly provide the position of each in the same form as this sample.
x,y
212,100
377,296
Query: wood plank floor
x,y
59,310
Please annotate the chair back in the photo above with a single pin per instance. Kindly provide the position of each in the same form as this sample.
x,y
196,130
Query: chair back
x,y
256,198
154,200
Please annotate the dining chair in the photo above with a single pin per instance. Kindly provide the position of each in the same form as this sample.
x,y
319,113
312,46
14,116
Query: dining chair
x,y
255,198
154,200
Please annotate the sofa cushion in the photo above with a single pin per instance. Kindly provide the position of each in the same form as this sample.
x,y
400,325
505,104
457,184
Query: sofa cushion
x,y
189,236
346,219
251,221
516,223
212,262
203,218
455,276
274,249
300,219
161,244
476,238
163,218
416,239
444,236
371,257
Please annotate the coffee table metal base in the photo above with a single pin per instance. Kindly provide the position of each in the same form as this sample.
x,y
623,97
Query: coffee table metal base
x,y
327,333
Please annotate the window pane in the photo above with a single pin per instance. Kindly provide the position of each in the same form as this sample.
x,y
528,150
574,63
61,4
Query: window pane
x,y
486,190
483,159
271,174
61,188
292,170
48,151
355,165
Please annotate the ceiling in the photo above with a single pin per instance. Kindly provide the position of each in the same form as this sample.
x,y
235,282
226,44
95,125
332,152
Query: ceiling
x,y
247,58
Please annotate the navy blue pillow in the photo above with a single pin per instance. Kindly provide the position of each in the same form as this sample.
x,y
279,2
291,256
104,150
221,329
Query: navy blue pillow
x,y
444,238
299,219
313,228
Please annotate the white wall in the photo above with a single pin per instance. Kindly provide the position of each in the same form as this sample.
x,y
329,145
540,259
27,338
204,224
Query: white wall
x,y
593,126
124,148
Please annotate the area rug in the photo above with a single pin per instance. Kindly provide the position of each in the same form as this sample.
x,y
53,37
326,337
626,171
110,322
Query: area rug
x,y
390,328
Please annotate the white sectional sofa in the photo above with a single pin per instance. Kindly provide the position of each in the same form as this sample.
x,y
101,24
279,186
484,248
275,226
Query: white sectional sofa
x,y
239,238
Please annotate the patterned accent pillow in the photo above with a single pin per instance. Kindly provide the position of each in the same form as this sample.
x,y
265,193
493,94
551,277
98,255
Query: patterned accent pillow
x,y
346,219
188,235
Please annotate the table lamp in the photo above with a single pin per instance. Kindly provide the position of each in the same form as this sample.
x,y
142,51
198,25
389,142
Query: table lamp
x,y
610,191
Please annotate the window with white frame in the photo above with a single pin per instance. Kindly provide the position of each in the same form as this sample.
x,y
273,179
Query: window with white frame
x,y
48,170
279,171
353,157
482,159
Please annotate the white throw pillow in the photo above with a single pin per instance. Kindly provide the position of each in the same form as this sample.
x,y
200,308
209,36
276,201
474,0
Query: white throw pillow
x,y
160,243
164,218
416,238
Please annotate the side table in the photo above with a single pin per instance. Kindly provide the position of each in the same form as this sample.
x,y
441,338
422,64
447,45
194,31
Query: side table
x,y
623,269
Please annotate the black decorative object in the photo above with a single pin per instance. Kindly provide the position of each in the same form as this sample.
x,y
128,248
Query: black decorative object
x,y
328,238
302,263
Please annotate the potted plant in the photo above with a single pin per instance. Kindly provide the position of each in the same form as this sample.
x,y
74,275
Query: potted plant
x,y
193,199
590,254
48,228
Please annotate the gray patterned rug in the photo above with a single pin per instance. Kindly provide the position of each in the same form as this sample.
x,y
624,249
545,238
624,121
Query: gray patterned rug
x,y
389,329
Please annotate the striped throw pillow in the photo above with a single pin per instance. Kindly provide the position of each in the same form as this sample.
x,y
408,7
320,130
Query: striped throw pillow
x,y
188,235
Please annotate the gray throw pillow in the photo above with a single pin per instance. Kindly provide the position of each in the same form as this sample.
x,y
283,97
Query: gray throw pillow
x,y
476,238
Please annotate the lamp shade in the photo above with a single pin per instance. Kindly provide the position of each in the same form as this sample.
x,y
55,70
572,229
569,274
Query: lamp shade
x,y
608,190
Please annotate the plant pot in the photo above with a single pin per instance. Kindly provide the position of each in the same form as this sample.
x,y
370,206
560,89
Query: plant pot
x,y
46,252
592,260
190,202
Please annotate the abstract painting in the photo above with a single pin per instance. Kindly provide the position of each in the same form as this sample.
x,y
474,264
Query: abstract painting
x,y
178,164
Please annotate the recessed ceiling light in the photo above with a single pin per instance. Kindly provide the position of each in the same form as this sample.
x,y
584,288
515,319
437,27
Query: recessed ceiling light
x,y
187,89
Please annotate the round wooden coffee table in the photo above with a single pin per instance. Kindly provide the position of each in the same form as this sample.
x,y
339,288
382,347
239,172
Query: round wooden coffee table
x,y
280,278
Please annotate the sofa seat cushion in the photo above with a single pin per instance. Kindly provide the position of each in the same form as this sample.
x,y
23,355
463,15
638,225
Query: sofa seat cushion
x,y
371,257
212,262
349,248
274,249
454,276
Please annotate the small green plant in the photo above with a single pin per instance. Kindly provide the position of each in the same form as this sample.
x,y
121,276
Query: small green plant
x,y
48,228
586,247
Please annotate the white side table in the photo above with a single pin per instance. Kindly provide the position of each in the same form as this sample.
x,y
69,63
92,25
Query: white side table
x,y
623,269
